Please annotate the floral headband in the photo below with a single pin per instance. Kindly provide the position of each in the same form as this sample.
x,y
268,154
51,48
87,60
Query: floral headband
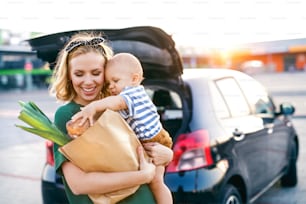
x,y
93,42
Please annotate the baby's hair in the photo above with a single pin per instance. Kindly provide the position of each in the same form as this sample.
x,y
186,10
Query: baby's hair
x,y
129,60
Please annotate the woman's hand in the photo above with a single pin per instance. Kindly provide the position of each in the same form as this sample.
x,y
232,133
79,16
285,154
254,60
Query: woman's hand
x,y
160,154
146,167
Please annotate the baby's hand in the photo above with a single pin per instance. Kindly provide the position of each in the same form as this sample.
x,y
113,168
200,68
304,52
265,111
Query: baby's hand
x,y
87,113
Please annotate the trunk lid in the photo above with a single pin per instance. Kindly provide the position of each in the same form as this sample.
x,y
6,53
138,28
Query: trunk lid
x,y
153,47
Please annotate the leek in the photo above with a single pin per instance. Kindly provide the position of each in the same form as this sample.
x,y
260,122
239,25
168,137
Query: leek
x,y
40,124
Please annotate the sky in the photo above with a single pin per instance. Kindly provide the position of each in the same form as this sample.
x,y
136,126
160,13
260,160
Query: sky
x,y
198,23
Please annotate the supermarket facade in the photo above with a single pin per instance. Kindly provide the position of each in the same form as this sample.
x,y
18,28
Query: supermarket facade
x,y
274,56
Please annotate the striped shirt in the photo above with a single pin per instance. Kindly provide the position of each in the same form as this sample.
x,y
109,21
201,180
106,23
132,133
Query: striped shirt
x,y
141,114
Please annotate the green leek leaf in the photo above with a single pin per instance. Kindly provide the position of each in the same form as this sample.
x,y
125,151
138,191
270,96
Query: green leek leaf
x,y
40,124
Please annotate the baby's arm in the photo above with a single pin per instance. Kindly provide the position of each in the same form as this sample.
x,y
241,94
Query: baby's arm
x,y
114,103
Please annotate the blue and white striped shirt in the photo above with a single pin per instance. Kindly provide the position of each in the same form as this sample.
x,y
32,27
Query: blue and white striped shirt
x,y
141,114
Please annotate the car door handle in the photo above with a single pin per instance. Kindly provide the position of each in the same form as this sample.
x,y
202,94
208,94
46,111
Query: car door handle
x,y
269,128
238,135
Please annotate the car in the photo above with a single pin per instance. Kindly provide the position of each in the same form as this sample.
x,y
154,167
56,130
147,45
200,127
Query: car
x,y
253,67
231,141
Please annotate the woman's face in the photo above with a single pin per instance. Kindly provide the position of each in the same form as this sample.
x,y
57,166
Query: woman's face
x,y
87,76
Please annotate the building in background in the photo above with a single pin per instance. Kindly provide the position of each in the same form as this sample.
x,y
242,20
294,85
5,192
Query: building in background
x,y
19,66
271,56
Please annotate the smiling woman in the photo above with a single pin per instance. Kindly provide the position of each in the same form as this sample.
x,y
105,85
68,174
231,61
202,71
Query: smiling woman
x,y
78,80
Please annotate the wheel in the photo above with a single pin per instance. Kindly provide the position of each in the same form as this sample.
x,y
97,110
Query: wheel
x,y
290,178
230,195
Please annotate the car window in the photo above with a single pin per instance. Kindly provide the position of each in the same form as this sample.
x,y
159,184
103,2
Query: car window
x,y
233,97
219,104
259,100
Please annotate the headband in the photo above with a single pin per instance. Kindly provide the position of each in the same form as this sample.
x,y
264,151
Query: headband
x,y
93,42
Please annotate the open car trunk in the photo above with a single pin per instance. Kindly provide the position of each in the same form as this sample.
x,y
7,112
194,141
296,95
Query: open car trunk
x,y
159,58
152,46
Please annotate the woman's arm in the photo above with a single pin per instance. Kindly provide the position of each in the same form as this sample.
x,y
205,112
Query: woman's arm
x,y
161,154
81,182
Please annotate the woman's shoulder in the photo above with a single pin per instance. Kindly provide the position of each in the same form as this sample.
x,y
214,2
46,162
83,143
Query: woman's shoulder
x,y
67,109
64,113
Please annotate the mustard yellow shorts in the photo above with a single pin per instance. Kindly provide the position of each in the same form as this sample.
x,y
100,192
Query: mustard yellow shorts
x,y
162,137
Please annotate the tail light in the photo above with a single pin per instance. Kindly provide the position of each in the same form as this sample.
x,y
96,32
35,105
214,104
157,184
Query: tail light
x,y
50,156
191,151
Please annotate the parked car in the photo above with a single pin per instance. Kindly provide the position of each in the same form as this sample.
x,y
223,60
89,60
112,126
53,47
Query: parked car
x,y
231,142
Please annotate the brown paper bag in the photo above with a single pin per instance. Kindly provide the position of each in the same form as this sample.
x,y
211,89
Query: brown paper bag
x,y
108,146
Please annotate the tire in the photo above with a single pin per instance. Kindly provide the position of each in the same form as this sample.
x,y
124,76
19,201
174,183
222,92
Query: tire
x,y
290,178
230,195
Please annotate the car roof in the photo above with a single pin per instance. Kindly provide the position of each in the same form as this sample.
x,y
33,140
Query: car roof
x,y
211,73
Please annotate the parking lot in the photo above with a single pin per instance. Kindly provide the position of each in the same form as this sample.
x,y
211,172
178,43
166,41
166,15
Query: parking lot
x,y
22,154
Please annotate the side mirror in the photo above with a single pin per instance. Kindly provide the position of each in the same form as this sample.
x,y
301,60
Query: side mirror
x,y
286,109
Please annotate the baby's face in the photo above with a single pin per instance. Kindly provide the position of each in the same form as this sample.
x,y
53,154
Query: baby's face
x,y
117,78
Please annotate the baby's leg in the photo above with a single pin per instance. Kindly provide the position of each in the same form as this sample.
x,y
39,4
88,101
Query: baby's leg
x,y
161,192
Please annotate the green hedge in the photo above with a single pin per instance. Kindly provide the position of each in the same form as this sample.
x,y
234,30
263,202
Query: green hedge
x,y
23,71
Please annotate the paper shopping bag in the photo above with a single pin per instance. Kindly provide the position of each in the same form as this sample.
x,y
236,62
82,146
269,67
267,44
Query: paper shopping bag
x,y
109,146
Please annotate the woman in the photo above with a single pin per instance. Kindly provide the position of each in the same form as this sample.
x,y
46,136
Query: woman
x,y
79,80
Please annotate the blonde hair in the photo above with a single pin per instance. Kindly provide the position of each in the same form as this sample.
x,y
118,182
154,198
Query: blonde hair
x,y
61,85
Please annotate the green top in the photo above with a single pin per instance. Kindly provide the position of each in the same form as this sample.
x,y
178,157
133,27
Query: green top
x,y
64,114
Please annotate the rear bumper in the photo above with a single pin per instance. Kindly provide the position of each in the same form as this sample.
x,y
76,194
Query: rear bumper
x,y
52,194
196,186
52,188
